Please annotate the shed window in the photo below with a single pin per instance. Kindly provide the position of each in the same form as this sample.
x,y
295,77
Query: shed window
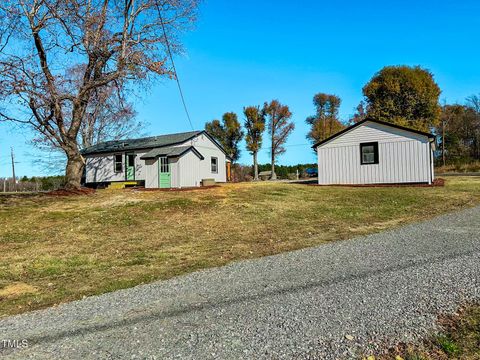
x,y
118,165
369,153
214,165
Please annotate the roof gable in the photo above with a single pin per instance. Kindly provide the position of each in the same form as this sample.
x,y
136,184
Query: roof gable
x,y
360,123
216,143
212,140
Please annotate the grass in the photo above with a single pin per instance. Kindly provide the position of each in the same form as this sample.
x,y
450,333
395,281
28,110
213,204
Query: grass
x,y
459,339
473,166
59,249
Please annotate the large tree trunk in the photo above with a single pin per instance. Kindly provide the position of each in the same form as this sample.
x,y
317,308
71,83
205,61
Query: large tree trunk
x,y
74,170
255,166
274,176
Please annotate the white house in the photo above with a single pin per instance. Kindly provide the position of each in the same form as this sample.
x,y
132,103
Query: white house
x,y
376,152
166,161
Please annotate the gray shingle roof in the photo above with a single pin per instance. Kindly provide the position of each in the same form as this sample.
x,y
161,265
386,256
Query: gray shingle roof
x,y
142,143
170,151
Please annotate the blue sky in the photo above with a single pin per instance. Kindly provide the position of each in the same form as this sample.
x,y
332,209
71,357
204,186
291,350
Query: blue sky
x,y
248,52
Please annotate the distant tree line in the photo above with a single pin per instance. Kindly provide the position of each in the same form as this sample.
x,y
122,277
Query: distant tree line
x,y
34,183
286,171
244,172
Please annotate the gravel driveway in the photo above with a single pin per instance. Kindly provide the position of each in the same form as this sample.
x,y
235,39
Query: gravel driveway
x,y
327,302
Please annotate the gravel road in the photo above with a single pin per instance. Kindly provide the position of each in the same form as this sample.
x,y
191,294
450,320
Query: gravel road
x,y
332,301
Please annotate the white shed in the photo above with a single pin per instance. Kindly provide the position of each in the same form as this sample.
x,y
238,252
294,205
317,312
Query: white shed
x,y
376,152
165,161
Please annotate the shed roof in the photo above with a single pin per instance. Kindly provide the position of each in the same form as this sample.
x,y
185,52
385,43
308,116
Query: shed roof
x,y
171,151
430,136
142,143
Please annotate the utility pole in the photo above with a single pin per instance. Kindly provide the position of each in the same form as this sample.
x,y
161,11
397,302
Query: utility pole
x,y
443,141
13,171
445,118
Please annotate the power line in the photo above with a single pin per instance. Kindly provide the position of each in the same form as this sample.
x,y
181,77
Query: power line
x,y
292,145
173,64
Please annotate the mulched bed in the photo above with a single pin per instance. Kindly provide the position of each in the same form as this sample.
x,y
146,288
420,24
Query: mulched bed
x,y
436,182
174,189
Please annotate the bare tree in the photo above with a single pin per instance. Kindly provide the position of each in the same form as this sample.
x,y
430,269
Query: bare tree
x,y
109,115
109,120
115,43
280,127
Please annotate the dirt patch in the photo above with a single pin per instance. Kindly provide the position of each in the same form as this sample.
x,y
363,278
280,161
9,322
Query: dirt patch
x,y
16,290
65,192
439,182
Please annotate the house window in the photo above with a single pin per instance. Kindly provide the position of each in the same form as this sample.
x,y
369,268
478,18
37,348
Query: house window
x,y
214,165
118,163
369,153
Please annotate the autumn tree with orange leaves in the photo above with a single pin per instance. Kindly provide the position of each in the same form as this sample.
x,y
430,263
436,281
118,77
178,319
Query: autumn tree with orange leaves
x,y
279,128
325,122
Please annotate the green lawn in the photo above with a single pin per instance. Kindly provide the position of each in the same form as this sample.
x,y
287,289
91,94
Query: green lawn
x,y
58,249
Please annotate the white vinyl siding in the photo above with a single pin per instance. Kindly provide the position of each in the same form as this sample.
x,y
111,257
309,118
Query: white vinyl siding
x,y
151,173
101,167
189,170
174,172
403,157
140,167
208,149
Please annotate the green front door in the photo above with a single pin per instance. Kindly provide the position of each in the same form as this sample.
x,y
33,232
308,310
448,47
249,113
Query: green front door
x,y
130,167
164,177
